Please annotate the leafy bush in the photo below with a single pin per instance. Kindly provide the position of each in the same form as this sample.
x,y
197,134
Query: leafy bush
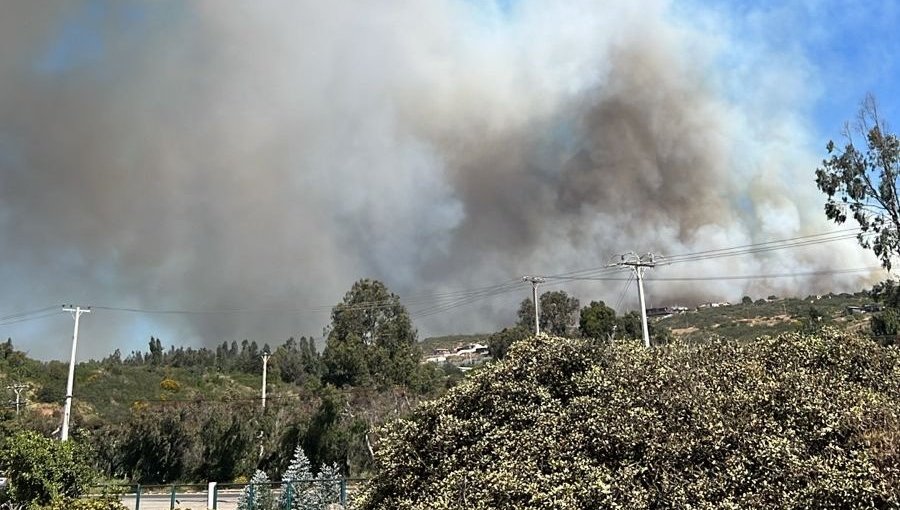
x,y
102,503
169,384
787,422
42,470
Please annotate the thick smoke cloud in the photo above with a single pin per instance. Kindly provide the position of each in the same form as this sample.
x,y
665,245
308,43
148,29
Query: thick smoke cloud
x,y
265,155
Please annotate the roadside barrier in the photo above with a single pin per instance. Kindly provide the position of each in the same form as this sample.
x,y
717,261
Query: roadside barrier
x,y
331,494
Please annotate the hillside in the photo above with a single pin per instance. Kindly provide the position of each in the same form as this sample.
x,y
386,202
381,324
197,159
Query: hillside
x,y
109,388
132,408
194,415
451,341
773,316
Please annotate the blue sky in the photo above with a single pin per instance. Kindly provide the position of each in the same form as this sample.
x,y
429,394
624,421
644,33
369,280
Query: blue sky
x,y
854,48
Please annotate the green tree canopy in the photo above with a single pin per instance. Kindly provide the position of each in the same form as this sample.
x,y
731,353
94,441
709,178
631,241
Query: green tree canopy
x,y
860,181
559,313
597,320
371,337
886,293
788,422
629,326
885,326
500,342
297,361
166,443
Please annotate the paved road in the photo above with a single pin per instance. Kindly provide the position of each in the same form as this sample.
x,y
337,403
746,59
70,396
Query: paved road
x,y
194,501
227,500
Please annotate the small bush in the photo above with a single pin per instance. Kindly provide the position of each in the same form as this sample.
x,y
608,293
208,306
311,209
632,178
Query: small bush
x,y
169,384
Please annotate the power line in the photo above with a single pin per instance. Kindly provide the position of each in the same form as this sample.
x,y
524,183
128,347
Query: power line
x,y
733,252
823,272
24,315
440,308
436,303
426,304
746,249
841,233
438,298
222,400
439,301
624,290
26,319
183,401
30,318
30,312
219,311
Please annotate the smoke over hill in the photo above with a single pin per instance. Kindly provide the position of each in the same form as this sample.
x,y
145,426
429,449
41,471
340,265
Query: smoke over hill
x,y
265,155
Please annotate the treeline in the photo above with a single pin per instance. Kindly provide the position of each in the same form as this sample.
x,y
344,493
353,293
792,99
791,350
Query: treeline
x,y
562,315
195,414
227,440
295,361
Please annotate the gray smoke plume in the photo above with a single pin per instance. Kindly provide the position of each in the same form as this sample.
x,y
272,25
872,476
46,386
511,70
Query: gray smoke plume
x,y
264,155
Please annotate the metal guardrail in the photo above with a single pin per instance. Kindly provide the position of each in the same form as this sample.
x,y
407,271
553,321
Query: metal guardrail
x,y
221,496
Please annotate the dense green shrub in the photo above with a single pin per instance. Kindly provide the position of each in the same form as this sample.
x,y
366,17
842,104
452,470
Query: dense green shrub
x,y
42,470
787,422
100,503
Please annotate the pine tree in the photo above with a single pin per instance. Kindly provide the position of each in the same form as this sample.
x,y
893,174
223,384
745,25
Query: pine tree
x,y
258,495
297,484
327,486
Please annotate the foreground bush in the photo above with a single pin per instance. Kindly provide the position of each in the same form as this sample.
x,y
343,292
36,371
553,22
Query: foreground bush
x,y
99,503
42,470
786,422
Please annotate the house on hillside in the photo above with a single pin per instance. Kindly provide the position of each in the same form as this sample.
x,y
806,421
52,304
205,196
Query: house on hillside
x,y
465,355
712,304
665,311
867,308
